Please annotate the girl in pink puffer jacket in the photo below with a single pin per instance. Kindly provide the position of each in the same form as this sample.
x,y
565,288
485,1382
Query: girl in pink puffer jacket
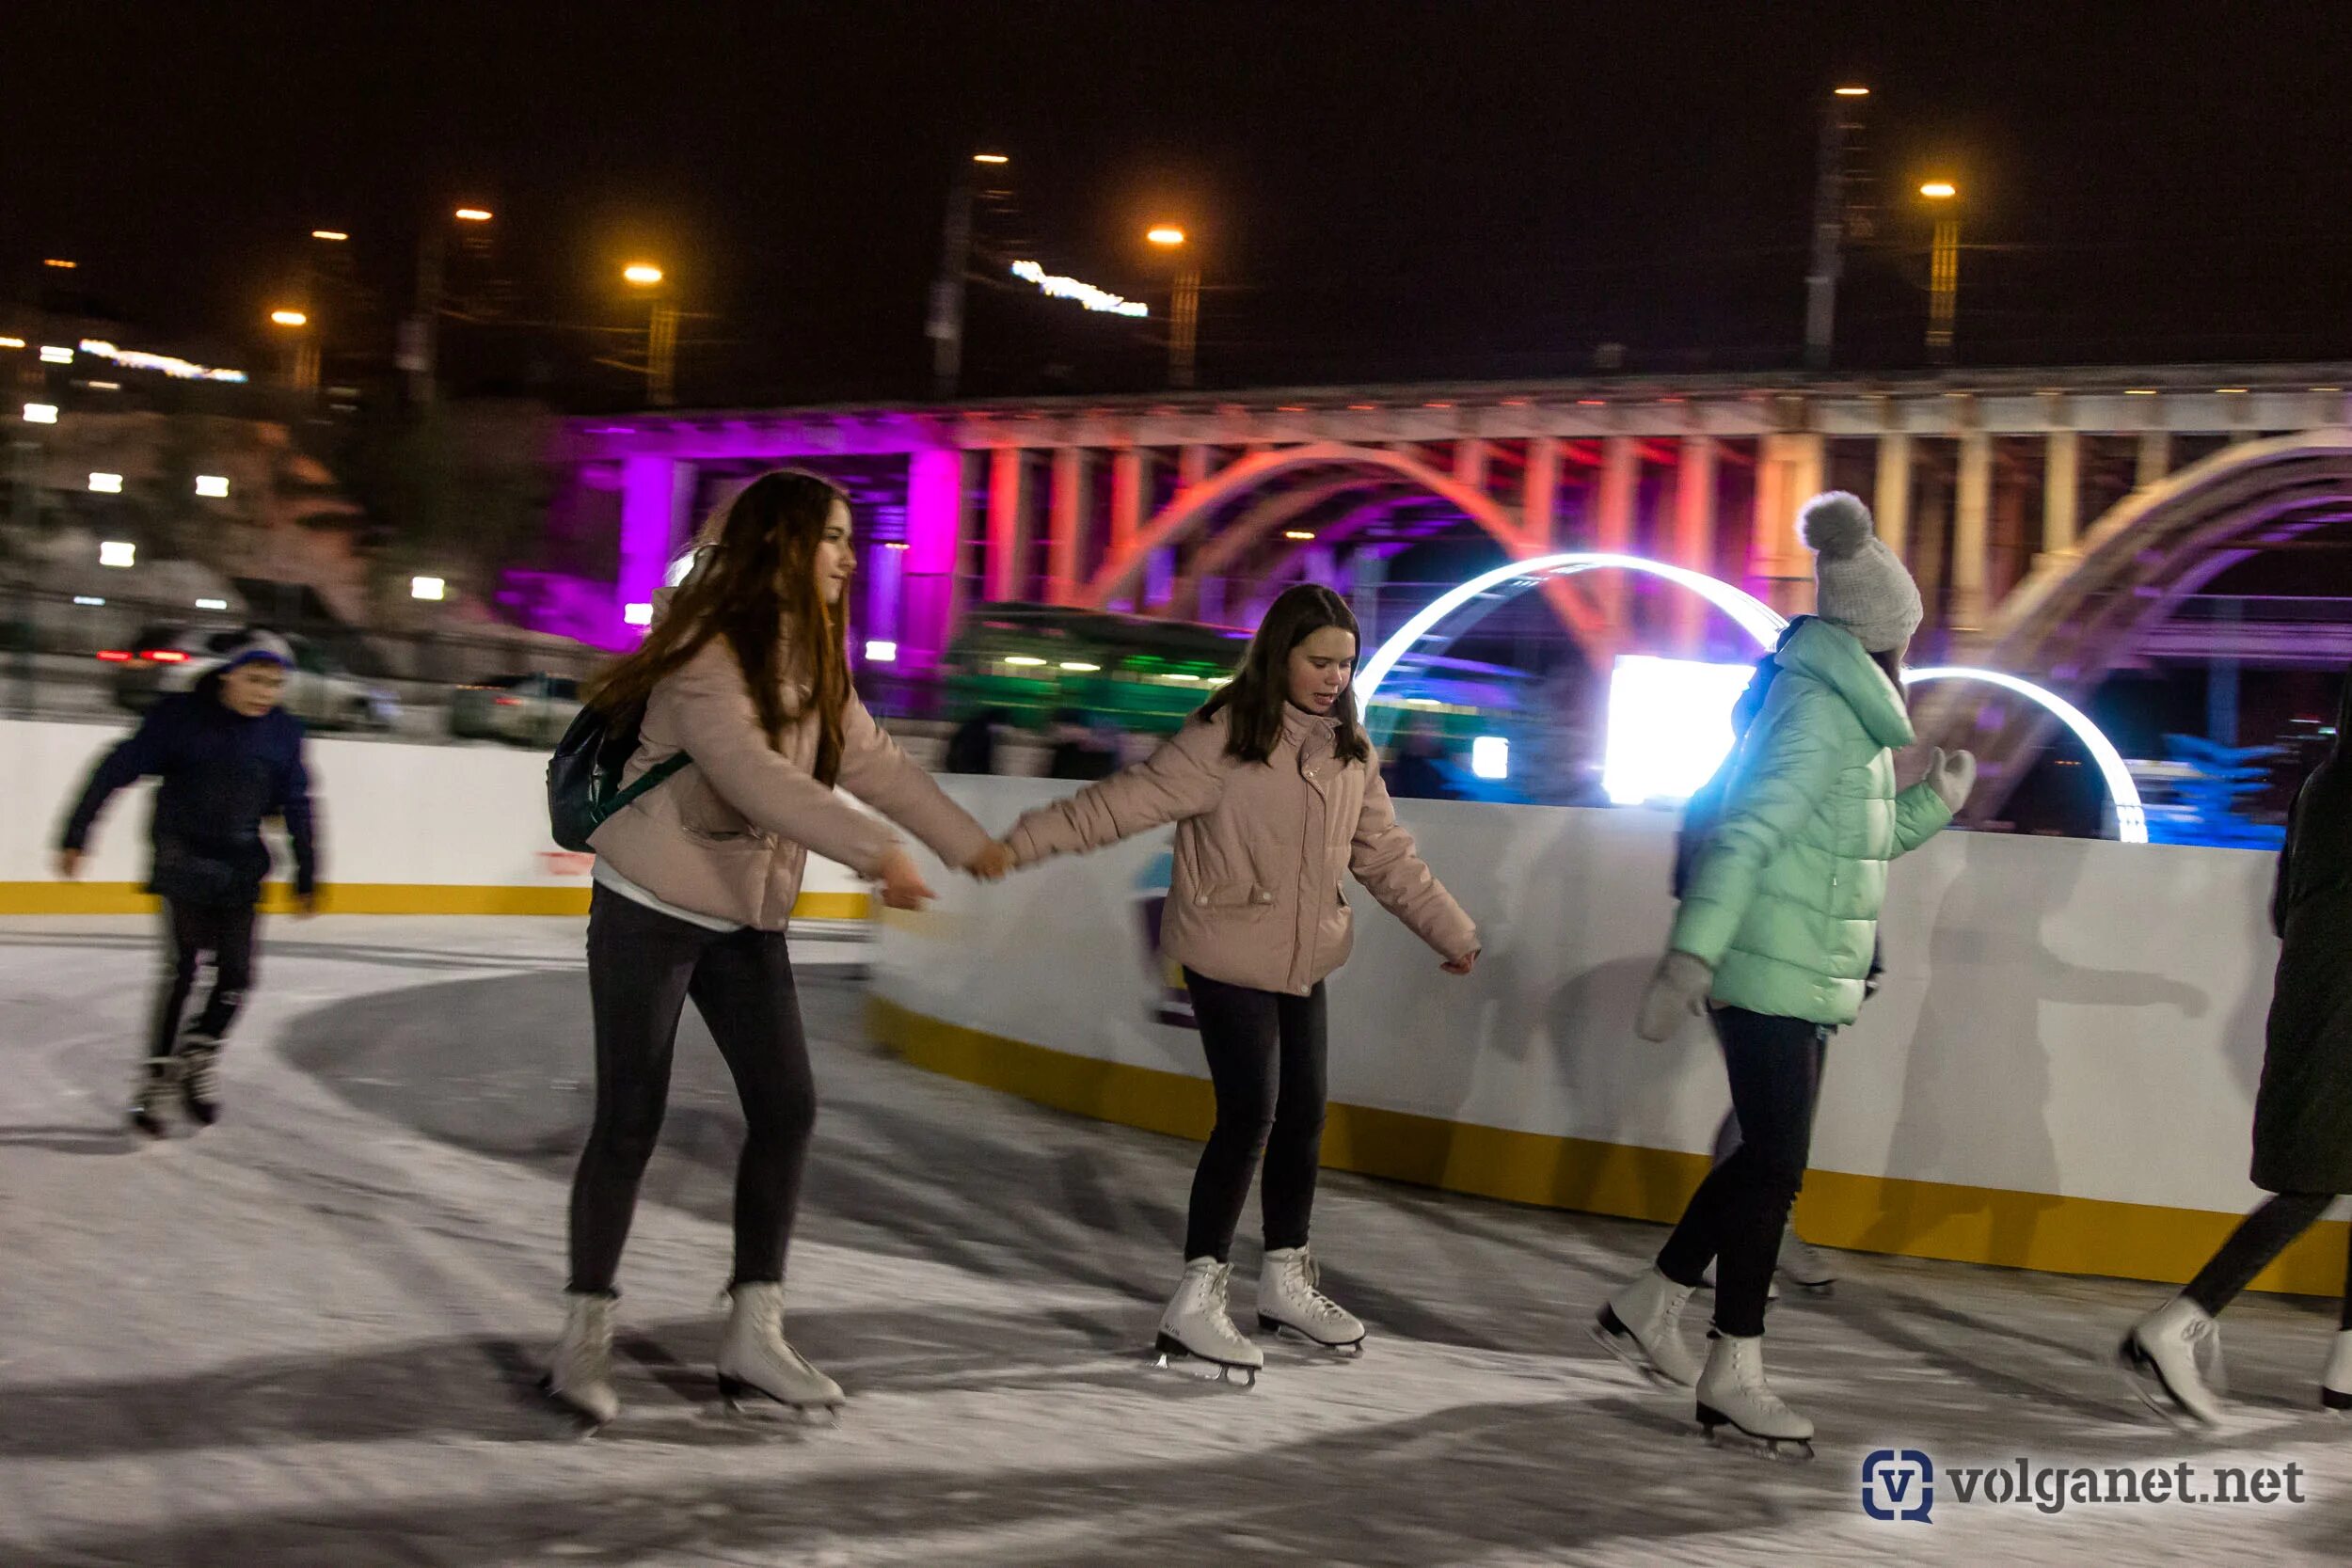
x,y
1276,796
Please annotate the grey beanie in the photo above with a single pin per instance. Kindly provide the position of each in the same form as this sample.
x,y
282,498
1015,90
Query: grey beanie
x,y
1859,584
257,646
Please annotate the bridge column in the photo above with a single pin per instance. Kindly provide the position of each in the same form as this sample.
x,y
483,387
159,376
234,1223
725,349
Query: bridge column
x,y
1469,463
1066,543
655,495
2155,458
1008,523
1971,513
1693,536
1788,473
935,532
1539,496
2061,491
1129,483
1613,531
1890,497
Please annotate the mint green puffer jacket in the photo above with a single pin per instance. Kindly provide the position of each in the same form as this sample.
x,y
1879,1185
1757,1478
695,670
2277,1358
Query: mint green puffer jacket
x,y
1782,902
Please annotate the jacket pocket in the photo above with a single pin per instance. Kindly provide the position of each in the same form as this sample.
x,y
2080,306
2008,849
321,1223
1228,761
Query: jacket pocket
x,y
1232,897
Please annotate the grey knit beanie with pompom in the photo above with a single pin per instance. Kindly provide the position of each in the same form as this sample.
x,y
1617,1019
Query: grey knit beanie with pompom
x,y
1859,584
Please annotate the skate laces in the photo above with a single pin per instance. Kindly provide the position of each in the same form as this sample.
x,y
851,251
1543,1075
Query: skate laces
x,y
1305,1281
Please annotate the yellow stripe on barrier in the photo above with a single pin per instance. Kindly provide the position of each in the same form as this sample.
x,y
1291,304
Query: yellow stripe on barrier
x,y
1839,1209
374,898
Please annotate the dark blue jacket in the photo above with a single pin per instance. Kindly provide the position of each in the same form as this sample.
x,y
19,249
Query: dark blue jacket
x,y
222,773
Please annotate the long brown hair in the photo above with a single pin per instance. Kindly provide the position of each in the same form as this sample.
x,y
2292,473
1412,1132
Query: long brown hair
x,y
1255,696
754,583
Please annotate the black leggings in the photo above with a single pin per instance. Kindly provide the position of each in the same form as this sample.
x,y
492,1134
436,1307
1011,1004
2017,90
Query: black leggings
x,y
1734,1220
642,967
1266,1053
2256,1243
191,932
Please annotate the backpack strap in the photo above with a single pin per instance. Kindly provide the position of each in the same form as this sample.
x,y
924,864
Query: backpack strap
x,y
645,780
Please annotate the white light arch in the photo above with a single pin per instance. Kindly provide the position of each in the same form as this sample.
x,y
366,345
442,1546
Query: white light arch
x,y
1761,622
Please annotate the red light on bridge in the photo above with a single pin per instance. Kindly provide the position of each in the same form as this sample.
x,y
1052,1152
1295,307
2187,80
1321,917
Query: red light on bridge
x,y
1437,406
1290,408
1513,402
1592,402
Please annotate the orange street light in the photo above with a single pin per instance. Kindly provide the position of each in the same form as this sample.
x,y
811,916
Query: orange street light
x,y
644,274
290,318
471,214
990,158
1853,92
1166,234
1939,190
334,236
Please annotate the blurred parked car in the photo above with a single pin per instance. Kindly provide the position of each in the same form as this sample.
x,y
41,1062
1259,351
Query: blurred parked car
x,y
524,711
167,656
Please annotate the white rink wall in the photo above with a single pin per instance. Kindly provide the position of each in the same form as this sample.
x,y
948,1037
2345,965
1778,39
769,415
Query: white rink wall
x,y
2063,1016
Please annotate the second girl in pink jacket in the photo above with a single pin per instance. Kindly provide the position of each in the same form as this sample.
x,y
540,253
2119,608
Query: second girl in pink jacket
x,y
1277,797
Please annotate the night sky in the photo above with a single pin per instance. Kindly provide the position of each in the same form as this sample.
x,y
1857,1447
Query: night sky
x,y
1378,190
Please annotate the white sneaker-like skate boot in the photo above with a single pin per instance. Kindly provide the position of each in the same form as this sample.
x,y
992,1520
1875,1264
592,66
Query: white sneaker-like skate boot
x,y
1732,1392
2159,1354
1802,1265
756,1358
2335,1384
1289,1297
199,1077
1642,1326
158,1078
580,1374
1197,1324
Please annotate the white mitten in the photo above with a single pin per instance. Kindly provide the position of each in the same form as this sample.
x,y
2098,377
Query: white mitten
x,y
1952,775
1678,988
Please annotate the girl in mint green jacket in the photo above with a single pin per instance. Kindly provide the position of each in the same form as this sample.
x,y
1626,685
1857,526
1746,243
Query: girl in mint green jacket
x,y
1774,941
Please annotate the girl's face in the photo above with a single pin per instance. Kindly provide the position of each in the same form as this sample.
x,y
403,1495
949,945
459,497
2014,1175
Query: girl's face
x,y
1320,669
834,559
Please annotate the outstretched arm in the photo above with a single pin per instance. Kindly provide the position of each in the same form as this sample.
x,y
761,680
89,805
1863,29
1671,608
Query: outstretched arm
x,y
1184,778
140,754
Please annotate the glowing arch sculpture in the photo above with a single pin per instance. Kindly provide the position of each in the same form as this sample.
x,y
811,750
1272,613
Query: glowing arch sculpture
x,y
1761,622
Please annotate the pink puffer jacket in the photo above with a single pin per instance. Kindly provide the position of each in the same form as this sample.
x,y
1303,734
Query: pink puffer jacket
x,y
729,836
1258,896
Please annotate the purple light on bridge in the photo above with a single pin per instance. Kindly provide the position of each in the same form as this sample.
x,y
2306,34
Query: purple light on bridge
x,y
934,521
652,502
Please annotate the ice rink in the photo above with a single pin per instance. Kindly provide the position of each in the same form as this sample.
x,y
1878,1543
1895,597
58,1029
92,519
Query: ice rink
x,y
308,1335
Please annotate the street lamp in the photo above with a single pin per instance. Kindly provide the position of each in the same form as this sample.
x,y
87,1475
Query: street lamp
x,y
661,336
417,346
1184,316
1942,269
944,327
1841,122
332,236
303,373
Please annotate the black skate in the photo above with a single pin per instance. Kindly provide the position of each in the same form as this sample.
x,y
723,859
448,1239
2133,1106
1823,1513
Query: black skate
x,y
199,1078
146,1107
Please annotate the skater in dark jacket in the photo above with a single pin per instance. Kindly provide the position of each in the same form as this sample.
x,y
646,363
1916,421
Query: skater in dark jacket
x,y
228,758
2302,1111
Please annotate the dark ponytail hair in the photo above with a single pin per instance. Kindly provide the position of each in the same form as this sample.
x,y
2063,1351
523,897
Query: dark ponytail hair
x,y
1254,699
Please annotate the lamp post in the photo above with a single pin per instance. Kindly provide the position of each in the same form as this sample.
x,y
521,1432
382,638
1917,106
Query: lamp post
x,y
945,325
1942,269
303,360
660,335
1184,315
1841,119
418,342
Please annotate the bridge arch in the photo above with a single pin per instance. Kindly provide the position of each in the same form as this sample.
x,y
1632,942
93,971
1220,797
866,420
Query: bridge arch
x,y
1193,510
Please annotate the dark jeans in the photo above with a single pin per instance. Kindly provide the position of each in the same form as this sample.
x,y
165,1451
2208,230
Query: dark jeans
x,y
1266,1054
192,932
1734,1220
642,965
2256,1243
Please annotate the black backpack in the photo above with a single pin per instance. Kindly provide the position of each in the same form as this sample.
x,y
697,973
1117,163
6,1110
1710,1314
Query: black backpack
x,y
584,775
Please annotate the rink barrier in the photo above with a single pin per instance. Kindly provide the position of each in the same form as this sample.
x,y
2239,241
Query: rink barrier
x,y
2042,1231
67,898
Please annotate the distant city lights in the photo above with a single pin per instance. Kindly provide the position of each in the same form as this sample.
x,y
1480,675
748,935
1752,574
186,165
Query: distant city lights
x,y
214,485
170,365
638,614
1058,286
88,600
51,355
1853,92
117,552
1301,534
433,590
107,484
12,342
1024,661
211,603
1080,667
40,413
990,158
880,650
60,263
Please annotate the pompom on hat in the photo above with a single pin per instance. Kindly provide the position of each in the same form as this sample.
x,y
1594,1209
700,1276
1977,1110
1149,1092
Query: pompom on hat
x,y
1859,584
256,647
